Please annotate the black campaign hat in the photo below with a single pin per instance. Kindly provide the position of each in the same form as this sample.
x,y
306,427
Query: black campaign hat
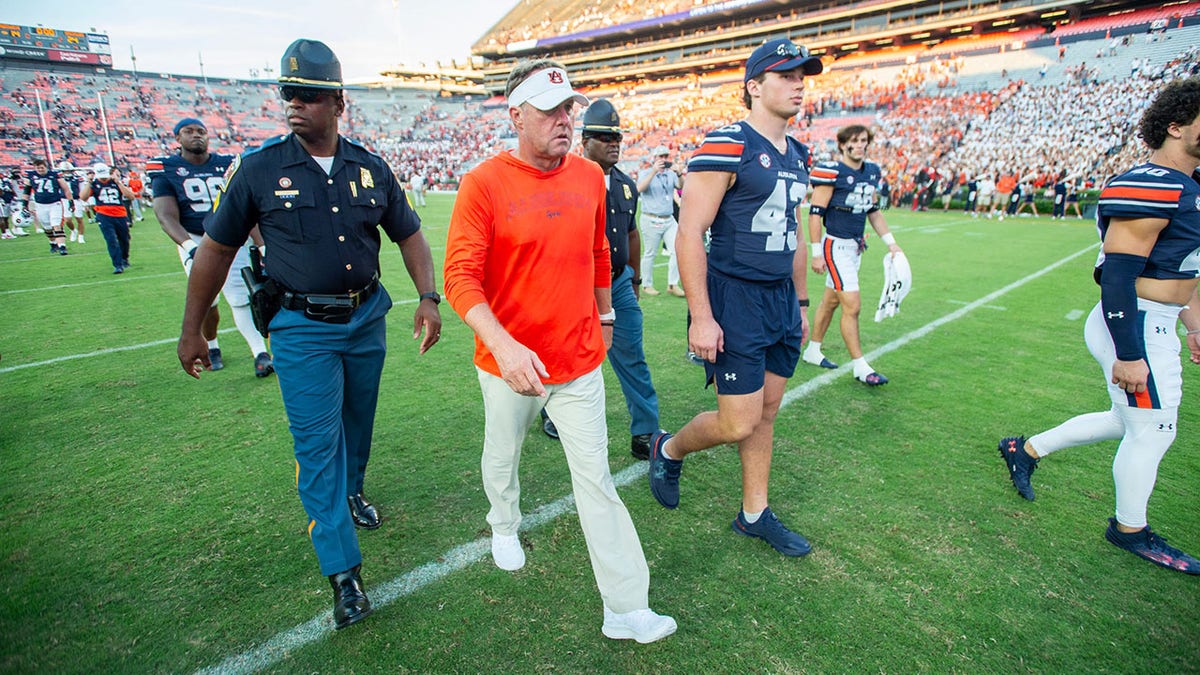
x,y
311,64
601,118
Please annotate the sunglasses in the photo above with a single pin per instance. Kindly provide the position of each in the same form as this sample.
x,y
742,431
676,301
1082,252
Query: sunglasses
x,y
305,94
606,138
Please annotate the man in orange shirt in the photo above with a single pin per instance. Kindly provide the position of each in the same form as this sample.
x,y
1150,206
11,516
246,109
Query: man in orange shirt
x,y
135,203
1004,189
528,269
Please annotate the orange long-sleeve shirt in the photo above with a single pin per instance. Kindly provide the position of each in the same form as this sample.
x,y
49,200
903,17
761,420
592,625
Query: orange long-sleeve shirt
x,y
531,244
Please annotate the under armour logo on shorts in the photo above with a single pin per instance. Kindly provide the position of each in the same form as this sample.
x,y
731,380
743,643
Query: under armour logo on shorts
x,y
730,376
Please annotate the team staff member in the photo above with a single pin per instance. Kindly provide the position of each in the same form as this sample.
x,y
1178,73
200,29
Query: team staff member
x,y
746,296
111,216
46,192
319,200
185,185
843,201
1149,221
528,269
657,186
602,145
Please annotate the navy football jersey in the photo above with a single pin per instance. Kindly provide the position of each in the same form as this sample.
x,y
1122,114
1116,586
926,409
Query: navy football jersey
x,y
45,189
73,183
1153,191
853,196
107,194
193,186
754,231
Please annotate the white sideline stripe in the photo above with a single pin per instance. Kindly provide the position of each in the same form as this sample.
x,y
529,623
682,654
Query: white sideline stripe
x,y
279,646
963,302
128,348
1075,315
122,280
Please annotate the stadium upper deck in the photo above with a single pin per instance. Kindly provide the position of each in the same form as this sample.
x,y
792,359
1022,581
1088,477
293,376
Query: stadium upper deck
x,y
622,43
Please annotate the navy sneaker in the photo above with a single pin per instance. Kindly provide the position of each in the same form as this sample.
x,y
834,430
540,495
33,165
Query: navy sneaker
x,y
1020,464
664,472
214,358
872,379
1145,544
769,529
118,270
263,365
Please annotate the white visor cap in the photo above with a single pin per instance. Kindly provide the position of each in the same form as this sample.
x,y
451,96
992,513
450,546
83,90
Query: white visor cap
x,y
545,90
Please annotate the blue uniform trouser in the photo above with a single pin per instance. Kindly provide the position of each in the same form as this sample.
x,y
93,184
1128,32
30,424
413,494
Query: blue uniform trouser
x,y
116,237
628,359
329,377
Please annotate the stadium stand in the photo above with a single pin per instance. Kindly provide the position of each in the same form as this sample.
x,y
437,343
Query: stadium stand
x,y
953,95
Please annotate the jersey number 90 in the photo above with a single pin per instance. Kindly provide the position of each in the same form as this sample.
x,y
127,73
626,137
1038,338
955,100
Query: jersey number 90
x,y
202,192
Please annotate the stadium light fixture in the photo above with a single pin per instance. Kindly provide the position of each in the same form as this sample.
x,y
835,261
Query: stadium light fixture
x,y
1051,15
885,41
1003,22
918,36
847,48
962,29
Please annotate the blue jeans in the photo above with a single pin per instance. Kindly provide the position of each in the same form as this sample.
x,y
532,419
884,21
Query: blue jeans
x,y
329,378
628,359
116,237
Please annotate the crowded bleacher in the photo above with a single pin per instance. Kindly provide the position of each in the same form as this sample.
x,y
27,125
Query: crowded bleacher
x,y
1029,102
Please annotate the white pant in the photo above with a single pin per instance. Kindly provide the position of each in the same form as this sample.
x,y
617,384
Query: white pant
x,y
656,229
577,408
49,216
842,262
1160,321
236,293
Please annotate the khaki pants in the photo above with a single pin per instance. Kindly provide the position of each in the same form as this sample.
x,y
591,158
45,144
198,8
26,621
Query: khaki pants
x,y
577,408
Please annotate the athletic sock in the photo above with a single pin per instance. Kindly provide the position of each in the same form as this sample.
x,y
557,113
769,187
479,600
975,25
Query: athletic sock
x,y
664,451
861,367
244,320
751,518
212,344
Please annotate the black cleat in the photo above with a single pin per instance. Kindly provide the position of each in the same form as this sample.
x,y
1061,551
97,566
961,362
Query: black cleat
x,y
1146,544
263,365
1020,464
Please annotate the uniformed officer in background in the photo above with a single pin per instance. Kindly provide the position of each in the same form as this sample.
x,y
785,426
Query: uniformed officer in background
x,y
319,200
602,144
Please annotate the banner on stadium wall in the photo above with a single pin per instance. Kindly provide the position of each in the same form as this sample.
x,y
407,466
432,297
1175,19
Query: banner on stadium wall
x,y
39,43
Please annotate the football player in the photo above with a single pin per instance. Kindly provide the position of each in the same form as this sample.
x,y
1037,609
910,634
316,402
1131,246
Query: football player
x,y
747,294
72,203
46,192
843,201
185,186
1149,222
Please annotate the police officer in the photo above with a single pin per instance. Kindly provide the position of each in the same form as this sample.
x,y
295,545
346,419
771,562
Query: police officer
x,y
319,200
602,144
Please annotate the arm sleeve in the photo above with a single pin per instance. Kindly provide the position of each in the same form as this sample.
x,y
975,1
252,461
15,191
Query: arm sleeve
x,y
467,244
1118,301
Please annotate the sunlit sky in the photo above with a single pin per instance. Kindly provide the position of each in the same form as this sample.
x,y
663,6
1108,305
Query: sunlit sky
x,y
233,37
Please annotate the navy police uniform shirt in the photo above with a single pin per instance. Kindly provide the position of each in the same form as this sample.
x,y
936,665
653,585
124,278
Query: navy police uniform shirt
x,y
45,188
853,196
321,230
754,231
193,186
622,203
1153,191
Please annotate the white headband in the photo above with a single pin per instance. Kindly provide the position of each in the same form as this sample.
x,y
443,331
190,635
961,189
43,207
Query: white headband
x,y
545,90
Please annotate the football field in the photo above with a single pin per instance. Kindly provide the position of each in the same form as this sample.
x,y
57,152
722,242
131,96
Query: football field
x,y
149,522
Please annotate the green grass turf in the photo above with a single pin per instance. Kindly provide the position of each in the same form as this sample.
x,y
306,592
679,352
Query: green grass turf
x,y
149,522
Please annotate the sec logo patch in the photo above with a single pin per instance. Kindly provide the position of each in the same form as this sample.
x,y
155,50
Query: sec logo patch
x,y
765,160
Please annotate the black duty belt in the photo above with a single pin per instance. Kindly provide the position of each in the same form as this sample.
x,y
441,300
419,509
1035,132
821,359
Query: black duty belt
x,y
330,308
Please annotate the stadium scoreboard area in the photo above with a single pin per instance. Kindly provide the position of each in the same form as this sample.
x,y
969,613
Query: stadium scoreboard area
x,y
38,43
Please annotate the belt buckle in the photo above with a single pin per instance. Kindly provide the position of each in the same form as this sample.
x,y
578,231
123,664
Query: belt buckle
x,y
329,308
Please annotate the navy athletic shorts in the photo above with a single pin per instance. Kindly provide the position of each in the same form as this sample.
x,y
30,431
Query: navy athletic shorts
x,y
761,323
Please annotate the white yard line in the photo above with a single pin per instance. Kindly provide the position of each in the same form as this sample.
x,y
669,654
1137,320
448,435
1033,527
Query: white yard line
x,y
281,644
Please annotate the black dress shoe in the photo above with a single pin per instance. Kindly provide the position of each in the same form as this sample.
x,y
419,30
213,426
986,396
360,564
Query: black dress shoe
x,y
639,447
548,427
350,603
363,513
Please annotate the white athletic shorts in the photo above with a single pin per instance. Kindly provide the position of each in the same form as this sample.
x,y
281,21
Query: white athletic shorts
x,y
1159,325
842,260
236,293
49,216
77,208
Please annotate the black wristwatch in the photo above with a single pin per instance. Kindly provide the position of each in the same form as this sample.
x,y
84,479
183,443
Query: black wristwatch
x,y
432,295
636,281
803,302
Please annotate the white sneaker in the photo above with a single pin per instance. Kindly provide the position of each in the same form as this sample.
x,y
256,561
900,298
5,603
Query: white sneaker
x,y
74,235
507,552
8,235
642,625
81,239
20,232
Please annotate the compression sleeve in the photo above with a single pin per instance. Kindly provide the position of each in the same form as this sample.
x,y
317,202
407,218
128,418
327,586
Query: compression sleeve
x,y
1118,301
